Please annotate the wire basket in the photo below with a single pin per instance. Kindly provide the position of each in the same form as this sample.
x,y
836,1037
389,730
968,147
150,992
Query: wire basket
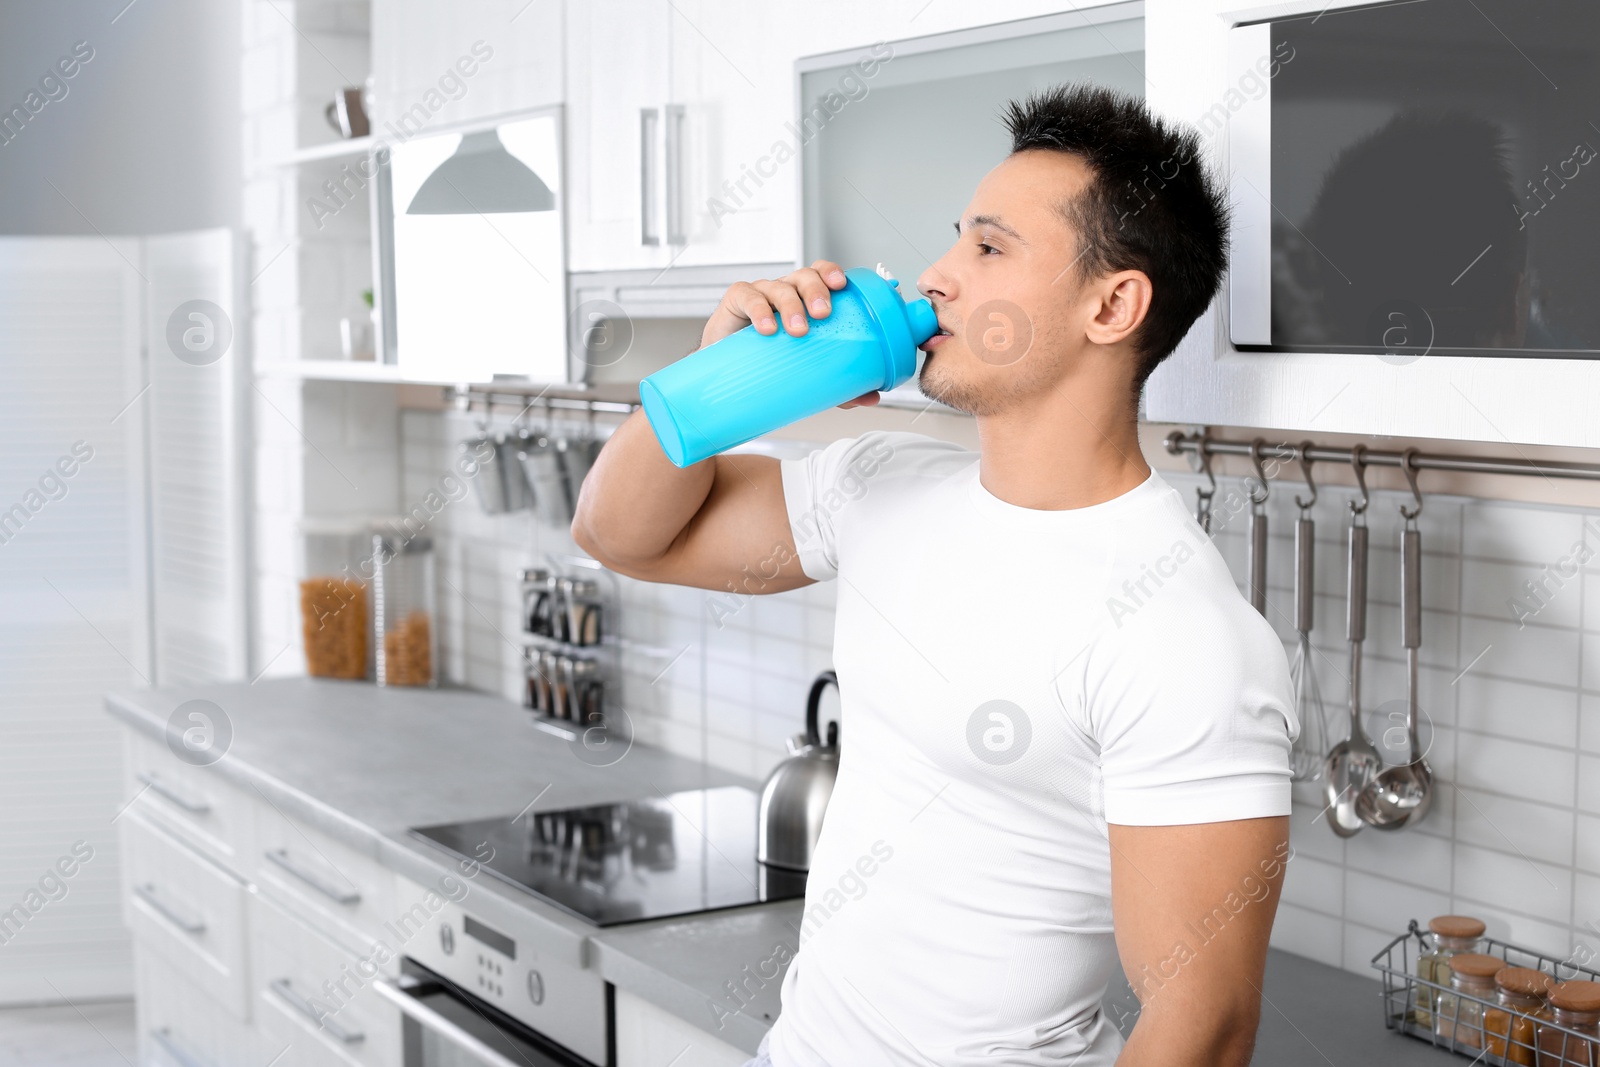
x,y
1480,1027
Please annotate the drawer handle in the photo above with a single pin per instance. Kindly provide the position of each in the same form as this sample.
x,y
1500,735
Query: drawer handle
x,y
187,924
285,990
281,857
187,803
170,1046
399,993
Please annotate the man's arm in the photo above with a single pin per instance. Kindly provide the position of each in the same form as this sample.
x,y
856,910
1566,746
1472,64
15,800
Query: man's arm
x,y
1193,906
721,523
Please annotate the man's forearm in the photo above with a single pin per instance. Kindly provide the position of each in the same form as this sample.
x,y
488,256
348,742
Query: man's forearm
x,y
635,501
1206,1040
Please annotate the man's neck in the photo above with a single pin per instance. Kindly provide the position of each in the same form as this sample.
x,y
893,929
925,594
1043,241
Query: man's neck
x,y
1060,451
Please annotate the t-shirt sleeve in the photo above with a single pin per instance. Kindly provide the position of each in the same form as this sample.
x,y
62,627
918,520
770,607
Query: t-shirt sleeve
x,y
1194,716
818,490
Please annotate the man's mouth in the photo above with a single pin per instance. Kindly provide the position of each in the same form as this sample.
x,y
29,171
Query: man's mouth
x,y
935,340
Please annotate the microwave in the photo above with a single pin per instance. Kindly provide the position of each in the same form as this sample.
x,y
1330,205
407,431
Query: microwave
x,y
1414,192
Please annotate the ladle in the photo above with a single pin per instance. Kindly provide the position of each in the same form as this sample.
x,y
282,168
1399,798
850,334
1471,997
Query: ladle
x,y
1353,762
1403,794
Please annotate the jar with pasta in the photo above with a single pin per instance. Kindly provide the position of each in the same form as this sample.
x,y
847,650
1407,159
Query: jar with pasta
x,y
1458,1014
403,610
1574,1005
1521,998
1448,935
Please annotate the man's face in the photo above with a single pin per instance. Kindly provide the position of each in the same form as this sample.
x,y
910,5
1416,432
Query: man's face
x,y
1008,289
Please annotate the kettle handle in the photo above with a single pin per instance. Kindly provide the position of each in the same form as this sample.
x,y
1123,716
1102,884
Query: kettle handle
x,y
814,701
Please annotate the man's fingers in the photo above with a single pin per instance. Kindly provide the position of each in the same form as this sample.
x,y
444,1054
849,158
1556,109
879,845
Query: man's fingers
x,y
865,400
786,298
752,303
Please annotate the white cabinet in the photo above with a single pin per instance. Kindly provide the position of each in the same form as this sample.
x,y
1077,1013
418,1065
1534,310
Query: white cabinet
x,y
618,52
733,76
648,1036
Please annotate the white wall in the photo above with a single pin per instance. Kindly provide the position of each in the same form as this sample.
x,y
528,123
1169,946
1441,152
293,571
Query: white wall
x,y
146,137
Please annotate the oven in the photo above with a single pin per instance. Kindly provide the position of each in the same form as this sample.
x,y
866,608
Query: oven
x,y
446,1026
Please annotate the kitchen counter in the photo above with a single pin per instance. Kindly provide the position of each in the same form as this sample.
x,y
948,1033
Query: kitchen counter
x,y
363,764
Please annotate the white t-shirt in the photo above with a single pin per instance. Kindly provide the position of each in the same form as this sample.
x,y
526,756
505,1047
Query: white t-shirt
x,y
1011,679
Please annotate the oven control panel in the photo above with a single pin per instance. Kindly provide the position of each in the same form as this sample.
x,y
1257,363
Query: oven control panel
x,y
502,965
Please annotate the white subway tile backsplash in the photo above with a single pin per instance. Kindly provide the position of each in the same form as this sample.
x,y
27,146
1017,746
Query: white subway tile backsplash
x,y
1309,933
1502,708
1533,653
1384,904
1314,884
1513,883
1520,827
1588,844
1518,769
1589,783
1521,534
1521,592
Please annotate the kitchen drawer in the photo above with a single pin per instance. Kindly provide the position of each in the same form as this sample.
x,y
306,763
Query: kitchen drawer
x,y
646,1033
195,803
346,894
186,909
315,996
179,1025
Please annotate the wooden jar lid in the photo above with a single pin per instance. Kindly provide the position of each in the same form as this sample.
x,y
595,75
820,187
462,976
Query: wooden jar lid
x,y
1456,926
1476,965
1524,981
1576,995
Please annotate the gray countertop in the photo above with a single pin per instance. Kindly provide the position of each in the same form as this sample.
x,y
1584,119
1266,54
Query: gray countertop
x,y
363,764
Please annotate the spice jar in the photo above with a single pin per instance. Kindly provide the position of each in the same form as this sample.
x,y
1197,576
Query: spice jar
x,y
1457,1018
1575,1005
1508,1032
1450,935
403,610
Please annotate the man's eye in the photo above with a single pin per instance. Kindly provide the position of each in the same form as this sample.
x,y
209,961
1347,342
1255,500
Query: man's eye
x,y
988,247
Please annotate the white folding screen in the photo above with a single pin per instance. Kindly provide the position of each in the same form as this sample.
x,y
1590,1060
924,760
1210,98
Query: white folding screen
x,y
122,559
197,415
72,602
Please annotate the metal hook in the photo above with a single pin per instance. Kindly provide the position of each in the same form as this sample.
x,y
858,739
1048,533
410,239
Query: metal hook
x,y
1201,462
1305,469
1411,480
1255,458
1357,452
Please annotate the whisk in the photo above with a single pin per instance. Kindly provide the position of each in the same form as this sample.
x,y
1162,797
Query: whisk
x,y
1311,746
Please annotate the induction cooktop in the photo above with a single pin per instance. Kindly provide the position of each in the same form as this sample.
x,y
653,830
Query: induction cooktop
x,y
653,858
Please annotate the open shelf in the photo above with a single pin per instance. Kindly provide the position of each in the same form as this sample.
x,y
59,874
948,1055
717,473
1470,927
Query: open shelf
x,y
356,146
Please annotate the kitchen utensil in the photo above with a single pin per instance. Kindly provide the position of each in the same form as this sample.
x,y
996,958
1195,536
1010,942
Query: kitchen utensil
x,y
1353,762
1257,531
577,456
541,463
348,114
749,383
1403,794
538,599
796,793
580,609
499,482
1312,743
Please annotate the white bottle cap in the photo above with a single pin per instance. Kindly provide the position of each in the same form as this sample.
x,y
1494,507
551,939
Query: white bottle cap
x,y
883,272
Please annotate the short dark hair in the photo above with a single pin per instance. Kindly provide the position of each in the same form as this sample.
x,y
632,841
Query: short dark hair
x,y
1150,204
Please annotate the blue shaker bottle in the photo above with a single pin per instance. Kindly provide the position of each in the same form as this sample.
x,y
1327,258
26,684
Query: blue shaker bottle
x,y
749,383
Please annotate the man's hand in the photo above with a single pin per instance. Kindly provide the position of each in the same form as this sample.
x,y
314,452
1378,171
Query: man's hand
x,y
1193,907
788,299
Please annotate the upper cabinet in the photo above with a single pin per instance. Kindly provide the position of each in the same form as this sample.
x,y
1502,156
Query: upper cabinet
x,y
438,63
1413,217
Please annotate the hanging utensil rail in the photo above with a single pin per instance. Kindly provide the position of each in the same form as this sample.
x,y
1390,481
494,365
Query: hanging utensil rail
x,y
1203,445
618,400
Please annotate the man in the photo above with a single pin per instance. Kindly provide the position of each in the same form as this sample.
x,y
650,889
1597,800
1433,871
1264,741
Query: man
x,y
1066,733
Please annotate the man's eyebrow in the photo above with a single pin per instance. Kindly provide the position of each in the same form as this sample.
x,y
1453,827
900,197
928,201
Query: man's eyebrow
x,y
991,220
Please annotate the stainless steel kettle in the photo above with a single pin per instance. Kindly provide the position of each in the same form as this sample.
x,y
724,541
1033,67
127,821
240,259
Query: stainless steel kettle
x,y
796,794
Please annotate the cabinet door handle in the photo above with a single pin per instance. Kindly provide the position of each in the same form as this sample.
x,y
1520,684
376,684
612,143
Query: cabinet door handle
x,y
673,172
186,923
162,789
282,858
163,1037
649,231
285,990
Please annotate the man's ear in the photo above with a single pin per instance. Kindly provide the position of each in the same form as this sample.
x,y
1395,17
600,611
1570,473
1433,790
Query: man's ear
x,y
1124,302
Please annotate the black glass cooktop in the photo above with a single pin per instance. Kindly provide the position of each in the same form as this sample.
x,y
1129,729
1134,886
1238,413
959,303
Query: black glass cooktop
x,y
672,854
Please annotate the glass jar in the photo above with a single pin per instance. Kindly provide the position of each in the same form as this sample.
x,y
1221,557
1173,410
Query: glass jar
x,y
1575,1005
1449,935
334,619
1457,1018
403,610
1507,1035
